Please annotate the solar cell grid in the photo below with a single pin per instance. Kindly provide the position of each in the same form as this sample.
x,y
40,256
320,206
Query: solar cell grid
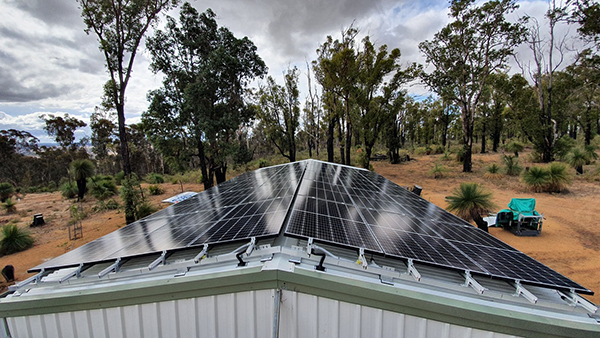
x,y
334,204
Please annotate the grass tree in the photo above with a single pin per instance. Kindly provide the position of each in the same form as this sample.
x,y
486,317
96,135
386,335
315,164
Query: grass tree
x,y
14,239
577,158
469,202
6,190
81,170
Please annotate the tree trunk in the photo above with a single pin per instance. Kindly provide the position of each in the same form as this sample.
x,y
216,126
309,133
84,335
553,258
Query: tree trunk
x,y
481,224
348,139
221,173
330,147
483,131
80,189
129,207
467,125
340,139
203,167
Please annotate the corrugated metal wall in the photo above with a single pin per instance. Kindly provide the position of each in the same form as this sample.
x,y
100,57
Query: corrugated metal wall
x,y
240,315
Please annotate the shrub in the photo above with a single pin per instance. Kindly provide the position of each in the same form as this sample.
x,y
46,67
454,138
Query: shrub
x,y
102,186
154,178
119,177
14,239
512,165
145,209
439,149
6,190
514,147
446,156
577,158
438,170
423,151
69,190
563,146
558,177
492,171
536,178
155,190
9,206
262,163
552,178
110,204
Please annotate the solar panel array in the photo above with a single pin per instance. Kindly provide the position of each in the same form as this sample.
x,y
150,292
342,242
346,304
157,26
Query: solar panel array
x,y
358,208
330,203
253,204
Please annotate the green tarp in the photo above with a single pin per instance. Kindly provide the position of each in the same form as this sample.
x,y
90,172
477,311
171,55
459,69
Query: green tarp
x,y
523,206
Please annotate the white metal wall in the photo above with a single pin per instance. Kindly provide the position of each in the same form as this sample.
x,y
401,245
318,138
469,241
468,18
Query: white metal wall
x,y
304,315
244,315
240,315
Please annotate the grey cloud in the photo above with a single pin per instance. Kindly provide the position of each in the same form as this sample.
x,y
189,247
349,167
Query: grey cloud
x,y
53,12
12,89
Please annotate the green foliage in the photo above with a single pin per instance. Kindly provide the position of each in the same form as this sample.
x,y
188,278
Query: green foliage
x,y
155,190
63,129
131,195
577,158
558,177
9,206
145,209
514,147
263,163
469,201
68,190
279,112
14,239
155,178
211,69
81,170
552,178
446,156
6,190
536,178
119,177
492,171
563,146
466,51
438,170
512,165
77,214
110,204
421,151
102,186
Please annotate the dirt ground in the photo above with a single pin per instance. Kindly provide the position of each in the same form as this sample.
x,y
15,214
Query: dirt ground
x,y
569,243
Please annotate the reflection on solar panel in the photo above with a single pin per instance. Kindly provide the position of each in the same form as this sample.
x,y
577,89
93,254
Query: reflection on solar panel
x,y
253,204
330,203
358,208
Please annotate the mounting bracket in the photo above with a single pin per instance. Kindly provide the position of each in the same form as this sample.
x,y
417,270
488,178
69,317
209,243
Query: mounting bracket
x,y
162,259
362,260
521,291
412,270
113,267
201,255
470,281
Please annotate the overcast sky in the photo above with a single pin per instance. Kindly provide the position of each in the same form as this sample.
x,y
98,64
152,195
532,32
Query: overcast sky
x,y
48,65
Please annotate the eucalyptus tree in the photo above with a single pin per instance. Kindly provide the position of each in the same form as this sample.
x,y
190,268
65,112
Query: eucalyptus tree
x,y
62,129
464,53
336,69
279,111
585,88
120,26
203,97
378,94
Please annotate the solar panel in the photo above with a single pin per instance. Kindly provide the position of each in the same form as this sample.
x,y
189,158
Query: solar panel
x,y
360,209
330,203
253,204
